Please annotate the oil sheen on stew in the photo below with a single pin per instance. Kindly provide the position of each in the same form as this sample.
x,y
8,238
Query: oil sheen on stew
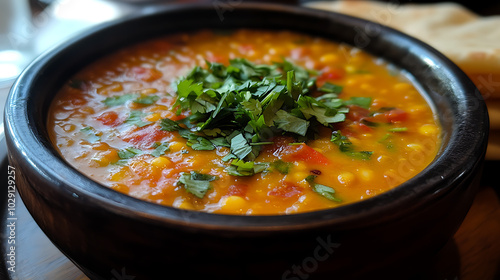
x,y
244,122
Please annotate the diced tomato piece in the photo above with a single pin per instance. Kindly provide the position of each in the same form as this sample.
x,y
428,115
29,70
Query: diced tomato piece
x,y
357,113
245,48
215,58
329,74
238,190
391,116
396,115
146,136
110,118
146,74
360,127
285,190
304,153
279,143
300,52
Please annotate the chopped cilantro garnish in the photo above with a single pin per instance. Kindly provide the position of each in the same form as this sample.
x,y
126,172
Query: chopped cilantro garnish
x,y
243,105
249,168
398,129
160,150
169,125
363,102
281,166
323,190
347,148
135,118
147,99
129,153
119,99
90,134
196,183
331,88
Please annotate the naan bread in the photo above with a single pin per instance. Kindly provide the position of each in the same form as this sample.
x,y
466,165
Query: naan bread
x,y
471,41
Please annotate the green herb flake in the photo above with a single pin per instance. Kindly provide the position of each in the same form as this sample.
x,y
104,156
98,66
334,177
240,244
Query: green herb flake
x,y
347,148
147,100
331,88
119,99
196,183
325,191
398,129
281,166
128,153
240,147
135,118
242,168
169,125
160,150
363,102
90,134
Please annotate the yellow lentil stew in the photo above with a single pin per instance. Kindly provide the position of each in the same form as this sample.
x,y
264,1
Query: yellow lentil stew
x,y
244,122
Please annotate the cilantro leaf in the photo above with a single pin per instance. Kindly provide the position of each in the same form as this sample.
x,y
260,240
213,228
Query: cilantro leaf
x,y
147,100
347,148
135,118
201,144
398,129
240,147
325,191
290,123
242,168
129,152
90,134
119,99
281,166
363,102
169,125
196,183
160,150
331,88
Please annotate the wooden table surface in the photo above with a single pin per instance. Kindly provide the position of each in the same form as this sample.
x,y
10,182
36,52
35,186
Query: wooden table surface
x,y
474,251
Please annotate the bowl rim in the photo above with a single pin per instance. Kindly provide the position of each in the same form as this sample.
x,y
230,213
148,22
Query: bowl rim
x,y
23,137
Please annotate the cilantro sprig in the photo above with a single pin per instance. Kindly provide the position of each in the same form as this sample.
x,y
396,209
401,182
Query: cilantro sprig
x,y
246,104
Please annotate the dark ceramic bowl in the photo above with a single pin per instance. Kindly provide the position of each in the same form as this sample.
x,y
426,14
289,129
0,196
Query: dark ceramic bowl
x,y
113,236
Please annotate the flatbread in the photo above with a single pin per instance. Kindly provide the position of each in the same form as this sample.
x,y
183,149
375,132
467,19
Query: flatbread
x,y
469,40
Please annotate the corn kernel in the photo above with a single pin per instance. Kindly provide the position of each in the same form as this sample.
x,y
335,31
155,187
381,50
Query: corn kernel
x,y
329,58
120,188
234,204
147,91
402,86
428,129
161,162
365,174
87,109
415,147
350,69
176,146
185,205
153,117
100,146
120,175
297,176
114,87
104,158
299,166
346,178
